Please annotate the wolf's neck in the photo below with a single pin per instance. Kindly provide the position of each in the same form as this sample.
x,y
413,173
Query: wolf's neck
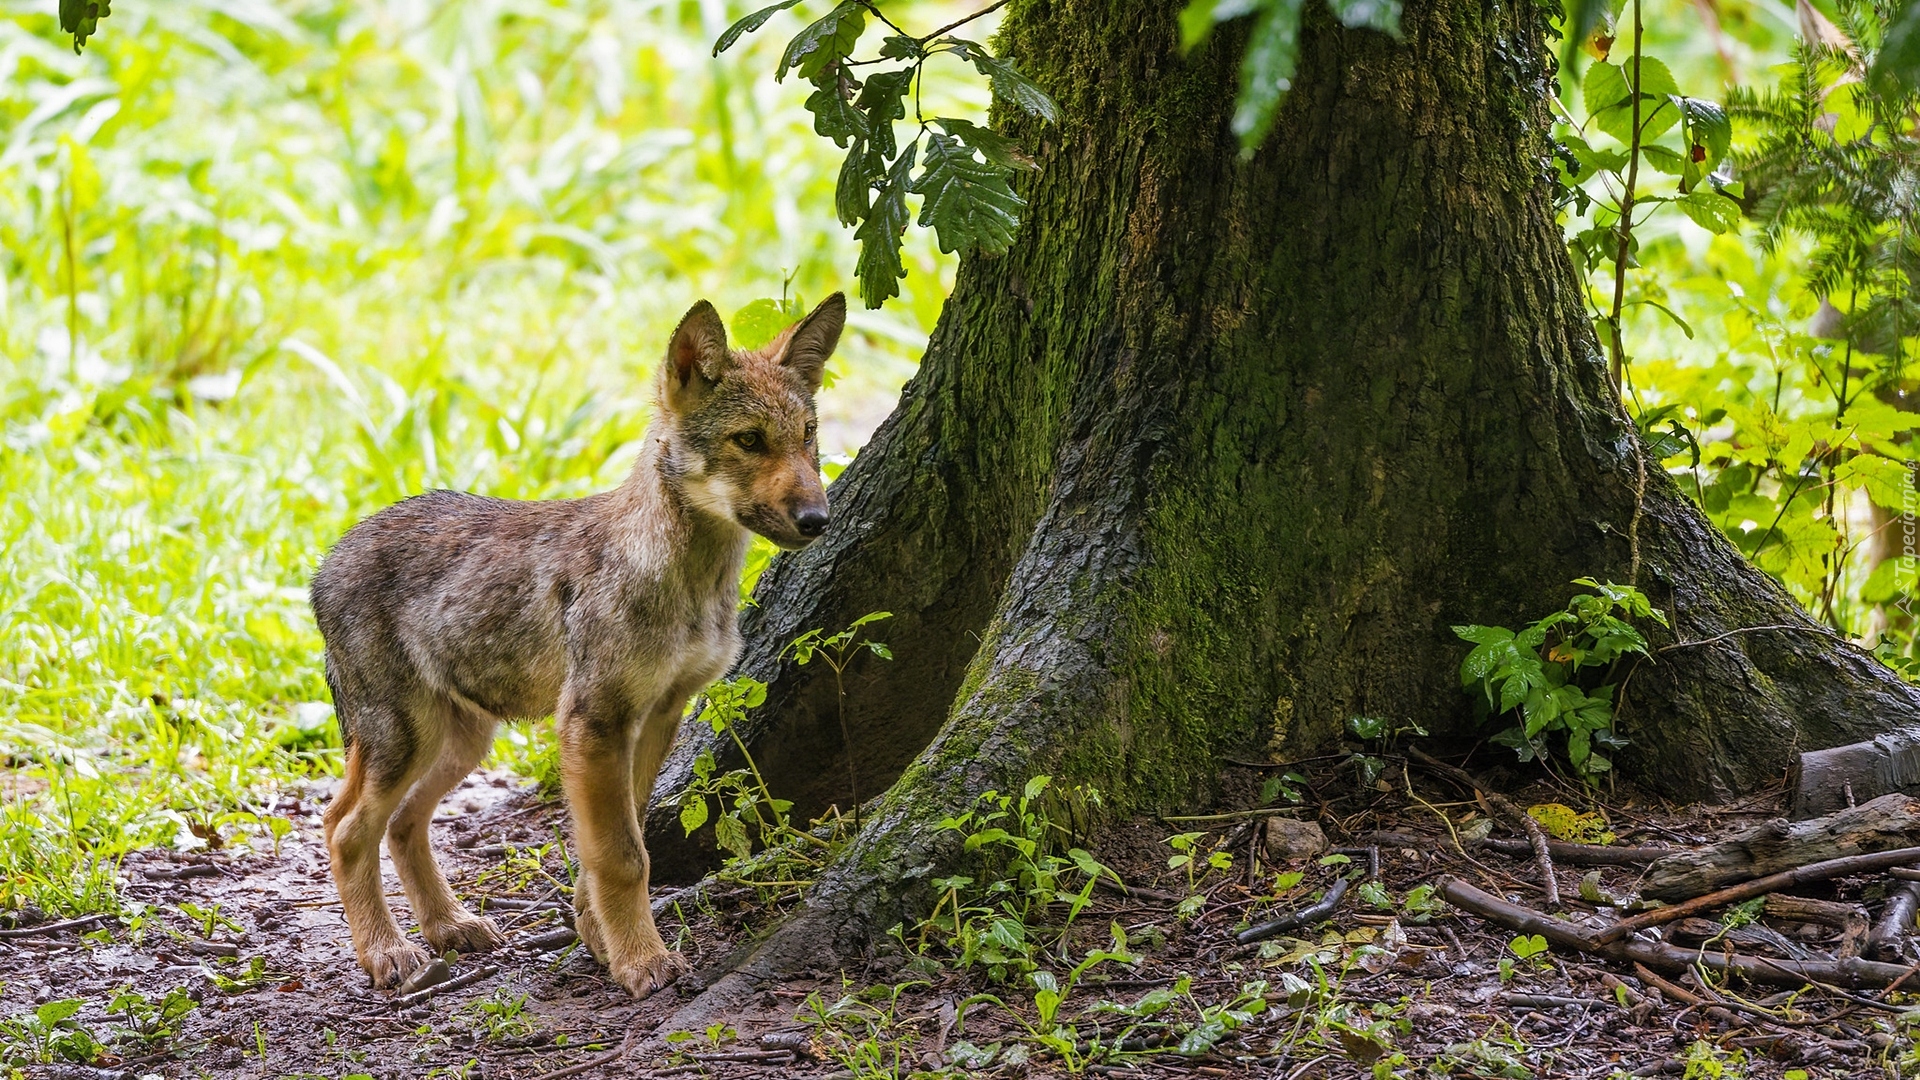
x,y
663,530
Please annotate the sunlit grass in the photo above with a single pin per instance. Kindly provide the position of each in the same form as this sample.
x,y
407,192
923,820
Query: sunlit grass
x,y
267,267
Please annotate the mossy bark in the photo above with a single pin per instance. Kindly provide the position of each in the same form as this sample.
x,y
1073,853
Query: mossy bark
x,y
1213,458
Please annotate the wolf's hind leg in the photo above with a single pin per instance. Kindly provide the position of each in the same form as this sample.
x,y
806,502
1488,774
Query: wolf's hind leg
x,y
380,767
443,922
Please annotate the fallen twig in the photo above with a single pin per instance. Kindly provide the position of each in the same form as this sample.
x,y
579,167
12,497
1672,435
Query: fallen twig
x,y
768,1057
1554,1001
1659,954
549,940
1747,890
1581,854
456,983
1850,919
191,870
1542,855
55,927
1306,916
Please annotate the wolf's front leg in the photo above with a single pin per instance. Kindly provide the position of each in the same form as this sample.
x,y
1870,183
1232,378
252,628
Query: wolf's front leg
x,y
597,760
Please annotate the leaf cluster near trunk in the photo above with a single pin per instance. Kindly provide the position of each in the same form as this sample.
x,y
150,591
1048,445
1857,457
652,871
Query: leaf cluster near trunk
x,y
964,169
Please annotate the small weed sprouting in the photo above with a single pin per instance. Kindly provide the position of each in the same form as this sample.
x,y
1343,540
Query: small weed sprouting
x,y
837,651
48,1035
1569,689
861,1030
240,979
1706,1061
208,919
1380,734
763,847
1024,880
147,1021
521,866
498,1017
1282,788
1048,1030
1528,951
750,815
1188,856
1488,1056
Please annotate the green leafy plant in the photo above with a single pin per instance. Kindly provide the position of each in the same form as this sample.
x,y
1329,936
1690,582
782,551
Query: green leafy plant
x,y
47,1034
208,920
239,978
1023,879
499,1016
836,651
1630,107
1196,862
1836,161
1381,733
860,1029
150,1021
1526,949
747,807
763,846
1048,1030
1537,674
964,167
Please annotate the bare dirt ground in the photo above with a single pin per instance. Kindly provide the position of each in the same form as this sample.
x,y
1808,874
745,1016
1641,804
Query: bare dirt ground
x,y
1385,988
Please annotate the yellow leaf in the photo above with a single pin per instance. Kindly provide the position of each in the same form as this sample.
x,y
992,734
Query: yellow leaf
x,y
1565,823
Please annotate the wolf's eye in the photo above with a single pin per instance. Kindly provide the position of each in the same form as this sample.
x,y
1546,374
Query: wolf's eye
x,y
749,440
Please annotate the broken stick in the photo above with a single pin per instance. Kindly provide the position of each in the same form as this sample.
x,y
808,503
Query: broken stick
x,y
1659,955
1883,942
1582,854
1542,855
1820,871
1850,919
1891,821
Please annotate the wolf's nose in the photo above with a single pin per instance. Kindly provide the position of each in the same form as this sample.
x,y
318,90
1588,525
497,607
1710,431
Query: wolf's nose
x,y
810,522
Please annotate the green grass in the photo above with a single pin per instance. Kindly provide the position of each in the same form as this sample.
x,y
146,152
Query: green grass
x,y
265,268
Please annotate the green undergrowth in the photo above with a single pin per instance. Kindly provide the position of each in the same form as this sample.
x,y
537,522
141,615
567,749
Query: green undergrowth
x,y
266,269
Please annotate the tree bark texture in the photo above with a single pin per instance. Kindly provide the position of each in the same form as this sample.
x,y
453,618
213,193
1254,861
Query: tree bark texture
x,y
1210,461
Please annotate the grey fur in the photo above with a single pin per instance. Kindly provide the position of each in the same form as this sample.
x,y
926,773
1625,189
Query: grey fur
x,y
447,613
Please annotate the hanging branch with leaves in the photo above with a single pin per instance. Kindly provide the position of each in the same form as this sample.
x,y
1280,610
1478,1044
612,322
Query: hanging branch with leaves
x,y
1635,104
964,168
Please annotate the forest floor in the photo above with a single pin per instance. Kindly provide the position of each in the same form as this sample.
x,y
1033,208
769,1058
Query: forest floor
x,y
250,949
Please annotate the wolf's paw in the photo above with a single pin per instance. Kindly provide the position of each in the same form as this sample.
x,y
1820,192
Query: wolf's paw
x,y
649,972
387,964
463,933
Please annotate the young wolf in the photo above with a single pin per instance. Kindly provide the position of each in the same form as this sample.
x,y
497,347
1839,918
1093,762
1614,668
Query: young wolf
x,y
446,613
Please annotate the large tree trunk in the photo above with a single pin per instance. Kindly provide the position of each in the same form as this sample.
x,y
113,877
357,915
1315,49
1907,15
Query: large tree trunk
x,y
1212,459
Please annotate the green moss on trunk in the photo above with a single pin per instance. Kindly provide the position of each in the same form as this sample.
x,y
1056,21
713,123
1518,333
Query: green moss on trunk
x,y
1212,459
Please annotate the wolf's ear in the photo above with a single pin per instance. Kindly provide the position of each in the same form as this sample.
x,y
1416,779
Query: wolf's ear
x,y
814,339
696,357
